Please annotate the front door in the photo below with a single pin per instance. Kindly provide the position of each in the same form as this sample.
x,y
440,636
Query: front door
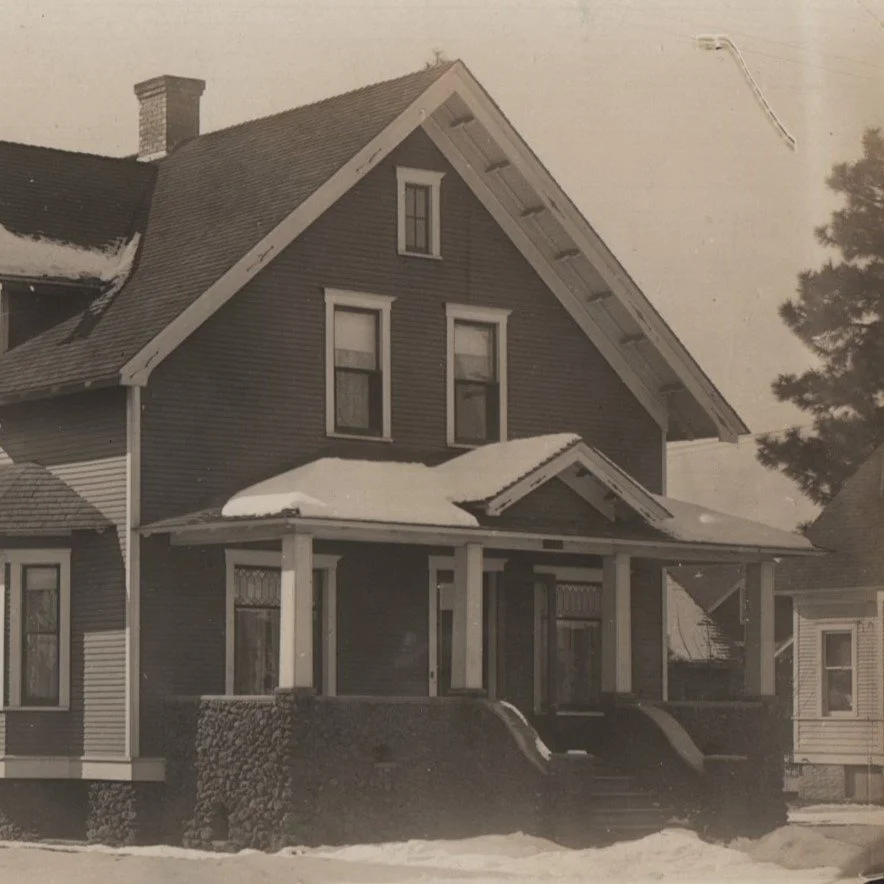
x,y
441,632
569,635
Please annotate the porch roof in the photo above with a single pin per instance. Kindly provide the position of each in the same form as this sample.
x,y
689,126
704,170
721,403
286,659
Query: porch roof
x,y
335,491
33,501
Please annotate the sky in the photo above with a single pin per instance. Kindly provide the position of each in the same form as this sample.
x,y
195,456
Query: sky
x,y
663,146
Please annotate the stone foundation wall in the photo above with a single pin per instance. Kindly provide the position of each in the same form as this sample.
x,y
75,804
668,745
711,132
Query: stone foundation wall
x,y
309,770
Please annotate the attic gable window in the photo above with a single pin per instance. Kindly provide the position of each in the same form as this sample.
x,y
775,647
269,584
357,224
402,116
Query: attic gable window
x,y
477,375
419,216
357,346
37,615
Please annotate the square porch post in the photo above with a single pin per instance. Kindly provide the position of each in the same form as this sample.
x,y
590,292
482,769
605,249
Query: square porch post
x,y
466,640
296,613
760,649
617,619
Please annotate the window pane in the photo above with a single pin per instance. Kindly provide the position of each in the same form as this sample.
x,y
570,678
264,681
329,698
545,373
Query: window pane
x,y
40,577
838,649
474,355
417,218
40,674
41,611
256,667
256,586
356,339
471,412
353,407
839,690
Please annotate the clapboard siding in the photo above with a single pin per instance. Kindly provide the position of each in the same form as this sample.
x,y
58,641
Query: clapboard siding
x,y
82,440
816,734
95,724
244,396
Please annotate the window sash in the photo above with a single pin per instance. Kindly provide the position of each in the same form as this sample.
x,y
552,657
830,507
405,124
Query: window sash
x,y
358,383
838,682
476,412
40,640
418,215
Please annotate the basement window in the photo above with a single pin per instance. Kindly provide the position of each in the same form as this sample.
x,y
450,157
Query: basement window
x,y
37,607
419,212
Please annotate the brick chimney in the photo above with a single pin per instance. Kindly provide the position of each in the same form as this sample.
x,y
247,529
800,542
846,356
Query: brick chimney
x,y
169,114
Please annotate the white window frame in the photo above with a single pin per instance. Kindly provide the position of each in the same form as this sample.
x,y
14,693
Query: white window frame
x,y
17,559
487,316
828,626
258,558
446,563
421,178
382,305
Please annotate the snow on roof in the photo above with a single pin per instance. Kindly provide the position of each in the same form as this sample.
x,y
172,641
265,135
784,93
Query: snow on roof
x,y
697,524
693,635
42,258
360,490
484,472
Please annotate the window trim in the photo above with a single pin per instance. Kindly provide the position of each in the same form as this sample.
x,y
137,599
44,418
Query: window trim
x,y
17,561
493,316
382,305
830,626
420,178
260,558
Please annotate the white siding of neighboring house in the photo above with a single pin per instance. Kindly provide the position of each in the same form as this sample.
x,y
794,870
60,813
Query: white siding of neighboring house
x,y
857,739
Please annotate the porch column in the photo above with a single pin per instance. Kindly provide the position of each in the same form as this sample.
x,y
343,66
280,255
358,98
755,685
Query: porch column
x,y
466,639
296,613
617,618
759,668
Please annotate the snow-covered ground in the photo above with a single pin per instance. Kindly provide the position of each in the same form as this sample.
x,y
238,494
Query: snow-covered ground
x,y
672,855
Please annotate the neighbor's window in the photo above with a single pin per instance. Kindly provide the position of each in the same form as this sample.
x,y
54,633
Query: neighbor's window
x,y
838,677
358,364
477,376
37,585
419,223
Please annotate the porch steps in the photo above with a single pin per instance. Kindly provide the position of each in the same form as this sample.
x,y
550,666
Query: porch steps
x,y
598,804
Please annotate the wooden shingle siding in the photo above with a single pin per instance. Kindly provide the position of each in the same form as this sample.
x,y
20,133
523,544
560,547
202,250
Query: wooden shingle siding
x,y
861,735
244,397
95,724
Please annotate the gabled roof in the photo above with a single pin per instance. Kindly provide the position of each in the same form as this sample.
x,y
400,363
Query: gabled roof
x,y
257,186
35,502
851,527
454,493
693,636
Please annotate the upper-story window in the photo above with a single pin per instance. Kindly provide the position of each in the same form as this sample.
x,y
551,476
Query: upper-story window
x,y
37,611
420,230
477,375
357,338
839,686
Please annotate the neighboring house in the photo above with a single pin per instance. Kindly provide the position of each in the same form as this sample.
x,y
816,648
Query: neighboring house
x,y
838,687
348,401
704,663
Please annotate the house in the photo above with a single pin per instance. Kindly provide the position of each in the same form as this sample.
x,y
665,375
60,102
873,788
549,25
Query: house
x,y
838,742
704,662
335,446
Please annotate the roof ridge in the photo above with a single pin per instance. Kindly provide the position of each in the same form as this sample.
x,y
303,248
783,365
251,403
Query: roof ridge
x,y
439,69
127,160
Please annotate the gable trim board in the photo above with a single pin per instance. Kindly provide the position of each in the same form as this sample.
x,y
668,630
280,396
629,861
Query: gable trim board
x,y
587,244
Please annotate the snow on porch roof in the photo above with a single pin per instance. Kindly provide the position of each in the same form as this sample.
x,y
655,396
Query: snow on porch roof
x,y
417,494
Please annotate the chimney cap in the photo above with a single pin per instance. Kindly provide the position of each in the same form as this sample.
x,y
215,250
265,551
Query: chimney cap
x,y
168,83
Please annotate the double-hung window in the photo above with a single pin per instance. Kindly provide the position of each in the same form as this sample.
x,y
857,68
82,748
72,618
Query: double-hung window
x,y
838,649
358,364
36,607
419,227
477,382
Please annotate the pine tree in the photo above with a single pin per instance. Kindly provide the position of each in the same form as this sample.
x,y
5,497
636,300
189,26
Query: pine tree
x,y
839,314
